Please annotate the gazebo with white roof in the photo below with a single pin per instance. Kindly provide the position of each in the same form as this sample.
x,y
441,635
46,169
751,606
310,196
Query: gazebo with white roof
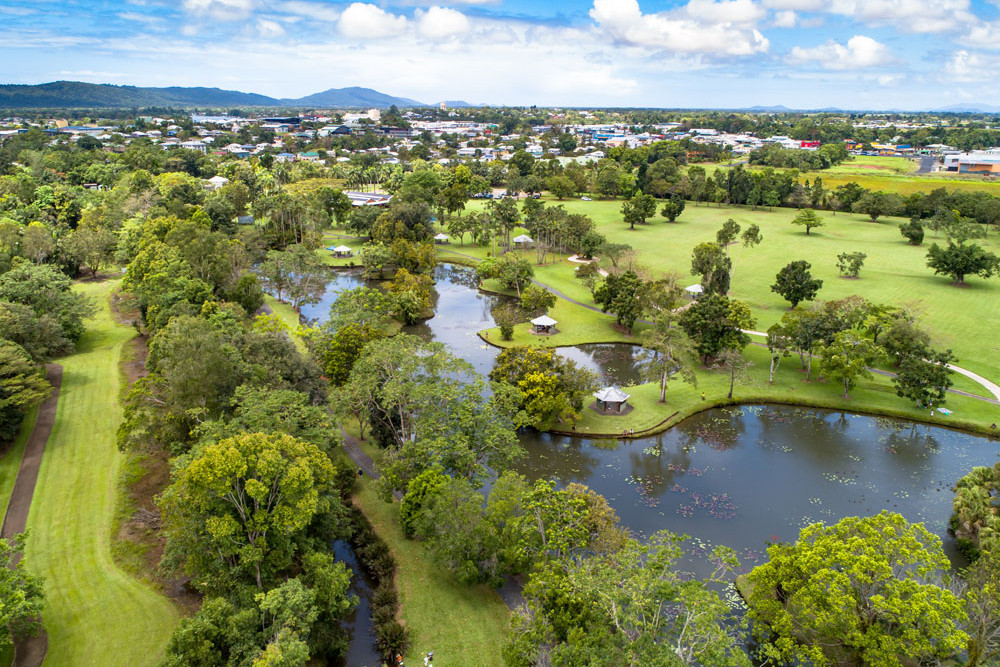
x,y
544,325
611,399
441,238
341,251
522,240
694,291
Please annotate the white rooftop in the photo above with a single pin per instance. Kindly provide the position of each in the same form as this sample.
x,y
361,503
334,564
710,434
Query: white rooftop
x,y
544,321
523,238
611,394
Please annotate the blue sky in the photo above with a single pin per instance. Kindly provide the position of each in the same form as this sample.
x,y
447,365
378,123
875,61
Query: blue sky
x,y
873,54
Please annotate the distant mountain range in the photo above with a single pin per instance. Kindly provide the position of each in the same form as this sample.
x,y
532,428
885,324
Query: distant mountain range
x,y
99,95
971,108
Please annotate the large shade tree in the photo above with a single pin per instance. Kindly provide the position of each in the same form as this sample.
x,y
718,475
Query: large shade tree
x,y
865,591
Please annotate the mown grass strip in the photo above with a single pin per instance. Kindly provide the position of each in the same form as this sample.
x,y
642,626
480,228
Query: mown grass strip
x,y
95,613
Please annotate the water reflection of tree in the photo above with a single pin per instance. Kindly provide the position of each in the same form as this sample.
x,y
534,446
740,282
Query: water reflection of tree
x,y
659,471
910,442
616,361
548,456
823,436
719,429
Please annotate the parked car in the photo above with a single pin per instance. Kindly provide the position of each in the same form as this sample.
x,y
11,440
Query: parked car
x,y
536,196
585,199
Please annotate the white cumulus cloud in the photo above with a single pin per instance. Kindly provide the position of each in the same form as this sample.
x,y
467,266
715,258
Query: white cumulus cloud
x,y
365,21
701,26
441,22
860,52
785,19
969,66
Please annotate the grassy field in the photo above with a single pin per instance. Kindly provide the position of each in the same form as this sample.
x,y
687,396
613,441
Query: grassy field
x,y
12,460
463,625
869,164
892,174
961,318
95,614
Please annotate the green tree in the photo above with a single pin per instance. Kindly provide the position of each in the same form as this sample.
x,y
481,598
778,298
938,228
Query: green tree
x,y
715,323
638,209
727,233
673,207
418,492
510,270
21,593
561,187
535,299
849,263
713,264
40,335
622,295
865,590
795,284
235,509
925,378
877,204
982,604
666,354
37,242
629,607
960,260
48,292
809,219
336,351
913,232
94,246
21,388
778,345
411,293
733,364
549,387
848,357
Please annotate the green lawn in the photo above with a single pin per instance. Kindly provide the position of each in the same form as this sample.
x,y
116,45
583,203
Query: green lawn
x,y
290,317
961,318
95,613
463,625
12,460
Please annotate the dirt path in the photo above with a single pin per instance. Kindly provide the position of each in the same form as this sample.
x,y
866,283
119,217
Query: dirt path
x,y
30,652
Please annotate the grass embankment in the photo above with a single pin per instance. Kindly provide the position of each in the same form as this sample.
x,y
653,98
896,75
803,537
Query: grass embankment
x,y
874,396
11,460
95,614
463,625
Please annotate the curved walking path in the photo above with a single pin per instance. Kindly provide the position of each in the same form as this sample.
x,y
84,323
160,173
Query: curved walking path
x,y
30,651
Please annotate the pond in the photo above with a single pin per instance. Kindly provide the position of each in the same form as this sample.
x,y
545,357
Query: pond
x,y
745,476
739,476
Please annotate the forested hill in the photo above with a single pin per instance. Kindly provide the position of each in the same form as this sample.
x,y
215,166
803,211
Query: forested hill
x,y
64,94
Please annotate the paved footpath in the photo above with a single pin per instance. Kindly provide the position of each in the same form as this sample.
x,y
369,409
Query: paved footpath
x,y
30,651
